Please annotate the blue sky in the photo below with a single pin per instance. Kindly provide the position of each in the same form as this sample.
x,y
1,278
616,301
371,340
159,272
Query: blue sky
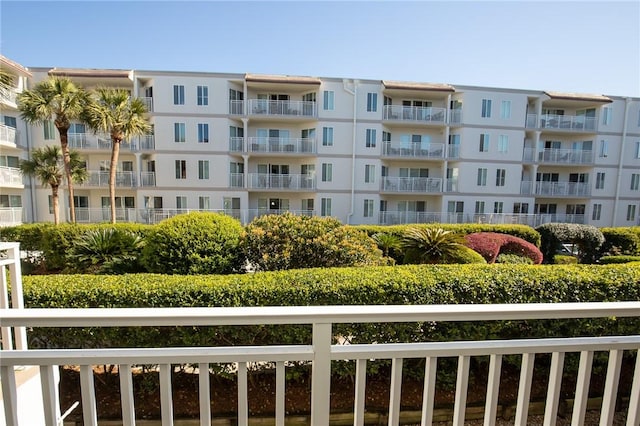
x,y
586,47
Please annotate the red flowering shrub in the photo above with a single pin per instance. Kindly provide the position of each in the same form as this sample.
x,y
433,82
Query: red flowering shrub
x,y
491,244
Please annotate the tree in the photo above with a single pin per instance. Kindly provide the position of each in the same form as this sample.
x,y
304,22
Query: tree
x,y
60,100
112,111
47,165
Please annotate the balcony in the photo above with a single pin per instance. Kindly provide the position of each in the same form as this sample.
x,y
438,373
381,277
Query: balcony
x,y
560,156
8,135
101,178
236,144
556,189
97,215
236,180
147,178
280,182
282,145
563,123
414,115
264,107
414,150
147,143
236,107
9,97
148,103
411,184
10,216
10,177
102,142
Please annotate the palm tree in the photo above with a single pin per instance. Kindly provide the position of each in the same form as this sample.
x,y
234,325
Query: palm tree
x,y
112,111
60,100
388,243
47,166
431,245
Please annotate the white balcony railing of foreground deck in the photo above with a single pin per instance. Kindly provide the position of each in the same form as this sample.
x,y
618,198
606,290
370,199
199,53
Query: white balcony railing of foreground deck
x,y
321,352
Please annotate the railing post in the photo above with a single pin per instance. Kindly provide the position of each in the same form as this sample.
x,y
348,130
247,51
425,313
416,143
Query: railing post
x,y
321,375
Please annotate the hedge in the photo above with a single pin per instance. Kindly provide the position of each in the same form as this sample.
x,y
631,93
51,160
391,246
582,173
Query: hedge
x,y
621,241
402,285
606,260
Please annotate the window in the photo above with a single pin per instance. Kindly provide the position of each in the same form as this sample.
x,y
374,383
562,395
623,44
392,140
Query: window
x,y
152,202
637,153
16,201
10,121
179,132
203,169
203,95
372,102
327,172
371,138
203,133
635,181
181,202
486,108
178,95
204,203
503,144
49,130
521,208
606,115
604,148
484,142
368,208
231,203
500,176
505,109
181,169
600,180
307,204
9,161
327,136
479,207
498,206
631,212
597,210
328,100
325,207
369,173
482,177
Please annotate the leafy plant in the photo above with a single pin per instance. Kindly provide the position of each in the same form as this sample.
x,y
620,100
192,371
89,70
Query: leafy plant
x,y
106,251
514,259
431,245
490,245
390,244
588,239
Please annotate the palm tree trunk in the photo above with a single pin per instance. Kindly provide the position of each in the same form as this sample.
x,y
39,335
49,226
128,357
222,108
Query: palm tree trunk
x,y
115,152
64,143
56,204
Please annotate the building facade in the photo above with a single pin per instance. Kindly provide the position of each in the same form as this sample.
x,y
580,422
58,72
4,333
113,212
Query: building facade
x,y
363,151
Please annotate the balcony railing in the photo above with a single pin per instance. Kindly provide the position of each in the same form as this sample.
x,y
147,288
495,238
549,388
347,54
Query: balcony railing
x,y
101,178
288,182
321,352
408,217
8,134
559,156
426,115
455,116
147,143
413,150
236,180
9,96
411,184
556,189
148,103
103,142
282,145
10,176
236,144
236,107
10,216
283,108
103,214
147,178
568,123
453,151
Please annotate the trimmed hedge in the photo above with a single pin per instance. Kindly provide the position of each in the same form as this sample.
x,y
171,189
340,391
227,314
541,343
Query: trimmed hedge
x,y
491,244
621,241
588,238
606,260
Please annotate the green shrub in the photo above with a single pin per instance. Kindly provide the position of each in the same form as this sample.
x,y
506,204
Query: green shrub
x,y
287,241
620,241
466,255
605,260
588,239
513,259
561,259
30,236
194,243
106,251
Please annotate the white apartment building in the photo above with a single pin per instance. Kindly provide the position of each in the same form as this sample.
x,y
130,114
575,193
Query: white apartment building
x,y
363,151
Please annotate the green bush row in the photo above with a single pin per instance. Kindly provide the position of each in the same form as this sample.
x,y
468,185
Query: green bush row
x,y
621,241
606,260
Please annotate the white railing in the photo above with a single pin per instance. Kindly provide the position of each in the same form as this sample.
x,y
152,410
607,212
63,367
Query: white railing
x,y
148,103
236,107
429,115
103,214
556,189
236,180
101,178
147,178
8,134
274,181
147,142
410,184
321,352
9,95
12,337
10,176
577,123
103,142
559,156
236,144
282,145
453,151
10,216
414,150
285,108
455,116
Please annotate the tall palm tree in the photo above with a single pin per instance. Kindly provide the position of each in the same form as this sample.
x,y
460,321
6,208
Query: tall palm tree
x,y
61,100
47,165
112,111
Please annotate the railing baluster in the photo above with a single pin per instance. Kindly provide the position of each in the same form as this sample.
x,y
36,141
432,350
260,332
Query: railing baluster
x,y
126,395
7,335
493,388
582,388
204,394
280,393
611,387
553,391
166,399
321,374
462,384
87,389
524,388
396,391
633,416
9,394
243,401
359,398
431,365
50,402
